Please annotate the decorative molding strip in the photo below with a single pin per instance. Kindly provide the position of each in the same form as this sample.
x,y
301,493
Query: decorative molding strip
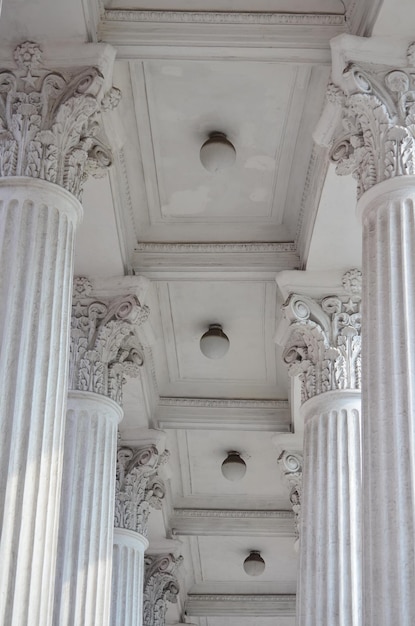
x,y
224,17
258,605
222,414
222,522
289,36
167,257
214,248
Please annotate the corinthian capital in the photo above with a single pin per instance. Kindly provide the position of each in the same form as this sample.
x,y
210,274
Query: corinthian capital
x,y
138,486
104,343
322,343
374,94
160,587
49,120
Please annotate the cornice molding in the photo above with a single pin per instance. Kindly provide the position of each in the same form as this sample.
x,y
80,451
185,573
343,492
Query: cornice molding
x,y
258,605
223,414
151,34
159,258
223,17
223,522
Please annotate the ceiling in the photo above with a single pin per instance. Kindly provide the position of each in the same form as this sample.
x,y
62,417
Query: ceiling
x,y
210,247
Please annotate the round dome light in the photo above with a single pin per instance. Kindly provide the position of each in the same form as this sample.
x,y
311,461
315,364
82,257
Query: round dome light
x,y
214,344
217,153
234,467
254,564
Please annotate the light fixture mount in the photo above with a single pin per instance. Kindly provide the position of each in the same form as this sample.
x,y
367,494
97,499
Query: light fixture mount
x,y
217,153
254,564
233,467
214,344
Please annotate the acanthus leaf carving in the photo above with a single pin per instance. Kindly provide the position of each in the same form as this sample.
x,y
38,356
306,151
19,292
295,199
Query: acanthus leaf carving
x,y
49,121
138,486
104,344
160,586
291,464
377,136
323,346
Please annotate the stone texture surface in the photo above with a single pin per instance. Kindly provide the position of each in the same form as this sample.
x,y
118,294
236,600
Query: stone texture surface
x,y
388,213
127,578
83,581
329,583
37,223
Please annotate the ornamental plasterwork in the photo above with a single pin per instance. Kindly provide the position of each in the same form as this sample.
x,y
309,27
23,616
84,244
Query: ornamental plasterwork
x,y
377,136
49,121
291,464
138,486
324,343
104,346
160,586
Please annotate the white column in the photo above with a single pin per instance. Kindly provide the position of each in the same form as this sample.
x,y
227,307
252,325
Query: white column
x,y
375,141
388,212
37,224
322,347
138,487
128,578
104,349
42,168
83,577
329,574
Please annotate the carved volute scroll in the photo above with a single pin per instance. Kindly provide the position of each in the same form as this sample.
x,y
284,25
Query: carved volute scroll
x,y
160,587
49,121
138,486
324,345
104,345
291,464
377,136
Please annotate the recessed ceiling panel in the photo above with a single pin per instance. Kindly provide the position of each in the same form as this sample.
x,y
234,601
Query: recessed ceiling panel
x,y
222,559
247,312
206,451
257,106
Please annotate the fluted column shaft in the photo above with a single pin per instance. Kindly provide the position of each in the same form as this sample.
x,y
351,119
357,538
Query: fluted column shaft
x,y
128,578
37,224
329,583
83,582
388,212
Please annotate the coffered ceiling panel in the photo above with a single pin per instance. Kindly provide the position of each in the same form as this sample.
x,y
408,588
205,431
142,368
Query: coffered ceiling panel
x,y
279,556
265,109
206,450
247,312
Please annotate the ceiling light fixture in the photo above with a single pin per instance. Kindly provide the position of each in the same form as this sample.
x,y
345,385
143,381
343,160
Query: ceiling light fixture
x,y
214,344
254,564
217,153
234,467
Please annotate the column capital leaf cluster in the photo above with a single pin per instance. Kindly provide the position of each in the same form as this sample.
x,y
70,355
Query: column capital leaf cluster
x,y
322,344
160,586
375,136
291,464
49,120
104,344
138,486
